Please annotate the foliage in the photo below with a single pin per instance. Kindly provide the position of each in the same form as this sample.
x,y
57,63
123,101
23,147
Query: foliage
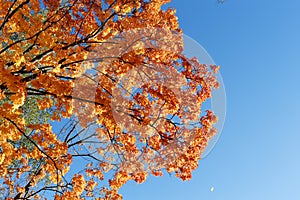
x,y
101,80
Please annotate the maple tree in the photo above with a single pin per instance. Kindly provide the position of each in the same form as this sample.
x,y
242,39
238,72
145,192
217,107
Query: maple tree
x,y
104,81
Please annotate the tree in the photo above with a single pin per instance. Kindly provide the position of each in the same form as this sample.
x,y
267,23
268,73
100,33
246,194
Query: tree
x,y
101,81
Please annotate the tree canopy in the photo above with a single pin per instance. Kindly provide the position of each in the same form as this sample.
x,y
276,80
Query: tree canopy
x,y
104,82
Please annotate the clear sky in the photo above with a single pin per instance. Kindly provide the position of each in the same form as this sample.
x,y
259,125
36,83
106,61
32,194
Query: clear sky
x,y
257,44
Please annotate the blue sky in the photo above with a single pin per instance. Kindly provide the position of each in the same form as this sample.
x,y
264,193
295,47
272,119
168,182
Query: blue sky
x,y
257,44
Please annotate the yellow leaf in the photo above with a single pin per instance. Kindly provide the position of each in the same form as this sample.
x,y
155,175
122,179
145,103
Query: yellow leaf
x,y
20,61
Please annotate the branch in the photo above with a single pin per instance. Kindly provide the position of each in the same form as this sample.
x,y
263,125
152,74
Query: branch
x,y
87,155
70,132
66,96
